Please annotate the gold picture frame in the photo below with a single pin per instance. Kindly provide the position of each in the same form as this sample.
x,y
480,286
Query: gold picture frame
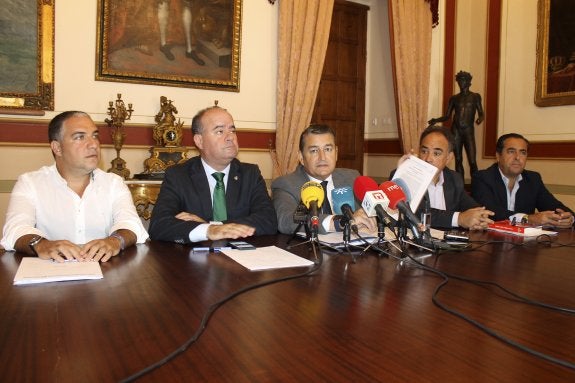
x,y
27,70
193,44
555,67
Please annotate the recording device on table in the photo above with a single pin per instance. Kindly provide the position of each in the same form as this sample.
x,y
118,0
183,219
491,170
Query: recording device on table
x,y
241,245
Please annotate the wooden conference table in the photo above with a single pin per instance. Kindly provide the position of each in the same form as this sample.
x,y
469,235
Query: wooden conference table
x,y
373,320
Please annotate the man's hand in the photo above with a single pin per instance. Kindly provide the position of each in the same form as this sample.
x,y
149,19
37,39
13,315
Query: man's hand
x,y
229,230
559,218
101,249
364,222
185,216
475,219
59,250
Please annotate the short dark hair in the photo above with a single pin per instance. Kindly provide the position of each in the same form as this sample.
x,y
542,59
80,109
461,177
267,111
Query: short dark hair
x,y
55,125
314,129
197,127
445,132
501,141
463,75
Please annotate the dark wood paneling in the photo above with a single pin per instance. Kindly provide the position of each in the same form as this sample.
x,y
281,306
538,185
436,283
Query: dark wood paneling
x,y
36,132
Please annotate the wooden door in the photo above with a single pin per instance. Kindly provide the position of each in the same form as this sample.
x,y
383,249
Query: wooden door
x,y
340,102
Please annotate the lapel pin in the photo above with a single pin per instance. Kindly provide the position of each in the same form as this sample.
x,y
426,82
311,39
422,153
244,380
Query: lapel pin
x,y
235,178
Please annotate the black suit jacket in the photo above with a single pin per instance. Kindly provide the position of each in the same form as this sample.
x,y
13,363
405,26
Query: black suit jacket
x,y
186,188
487,188
456,200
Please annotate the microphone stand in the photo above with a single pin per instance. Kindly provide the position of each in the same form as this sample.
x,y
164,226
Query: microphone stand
x,y
378,244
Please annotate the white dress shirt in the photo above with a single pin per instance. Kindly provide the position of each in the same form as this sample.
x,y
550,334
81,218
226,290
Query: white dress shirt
x,y
42,203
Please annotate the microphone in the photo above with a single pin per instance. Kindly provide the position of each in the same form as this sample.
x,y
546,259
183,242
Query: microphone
x,y
342,202
312,198
374,201
397,200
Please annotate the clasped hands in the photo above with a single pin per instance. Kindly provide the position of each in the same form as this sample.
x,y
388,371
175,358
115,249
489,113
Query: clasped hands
x,y
559,218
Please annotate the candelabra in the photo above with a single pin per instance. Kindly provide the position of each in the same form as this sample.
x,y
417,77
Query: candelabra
x,y
118,115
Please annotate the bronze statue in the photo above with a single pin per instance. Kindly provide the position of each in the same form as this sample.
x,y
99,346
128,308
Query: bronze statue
x,y
465,104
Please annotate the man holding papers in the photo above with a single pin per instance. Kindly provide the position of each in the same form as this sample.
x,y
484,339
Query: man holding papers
x,y
317,157
450,204
72,209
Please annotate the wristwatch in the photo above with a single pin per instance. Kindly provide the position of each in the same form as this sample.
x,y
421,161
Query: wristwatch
x,y
33,242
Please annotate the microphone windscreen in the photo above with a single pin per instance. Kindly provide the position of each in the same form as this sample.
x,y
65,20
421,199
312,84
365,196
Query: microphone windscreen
x,y
393,192
403,185
311,191
340,197
362,185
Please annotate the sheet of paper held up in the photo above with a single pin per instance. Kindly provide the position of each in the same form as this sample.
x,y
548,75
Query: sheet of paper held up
x,y
413,176
36,270
263,258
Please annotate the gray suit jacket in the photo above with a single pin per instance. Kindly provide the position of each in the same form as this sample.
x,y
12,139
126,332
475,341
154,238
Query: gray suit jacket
x,y
286,194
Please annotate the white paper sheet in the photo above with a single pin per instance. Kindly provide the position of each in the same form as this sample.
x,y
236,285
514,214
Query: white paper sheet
x,y
413,176
263,258
36,270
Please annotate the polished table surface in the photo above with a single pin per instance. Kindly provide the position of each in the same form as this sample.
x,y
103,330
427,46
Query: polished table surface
x,y
373,320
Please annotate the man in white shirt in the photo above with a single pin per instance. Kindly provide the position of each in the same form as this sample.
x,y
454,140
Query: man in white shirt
x,y
71,209
515,193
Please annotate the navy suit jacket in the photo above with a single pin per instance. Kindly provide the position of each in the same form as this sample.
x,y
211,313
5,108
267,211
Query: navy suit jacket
x,y
488,188
456,200
286,194
186,188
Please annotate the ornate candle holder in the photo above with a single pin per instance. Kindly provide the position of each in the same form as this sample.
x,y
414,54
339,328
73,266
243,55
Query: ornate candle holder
x,y
118,114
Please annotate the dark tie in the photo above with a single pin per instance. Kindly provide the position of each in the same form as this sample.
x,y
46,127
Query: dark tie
x,y
325,207
219,203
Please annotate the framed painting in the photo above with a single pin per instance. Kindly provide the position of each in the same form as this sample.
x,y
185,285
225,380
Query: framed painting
x,y
555,68
27,55
183,43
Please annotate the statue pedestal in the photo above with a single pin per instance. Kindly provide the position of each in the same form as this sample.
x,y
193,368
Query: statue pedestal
x,y
162,157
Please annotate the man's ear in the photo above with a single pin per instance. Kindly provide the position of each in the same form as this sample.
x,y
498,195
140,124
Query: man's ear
x,y
450,157
300,157
56,148
198,141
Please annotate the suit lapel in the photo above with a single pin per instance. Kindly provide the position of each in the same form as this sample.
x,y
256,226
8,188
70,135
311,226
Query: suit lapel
x,y
234,182
449,191
200,187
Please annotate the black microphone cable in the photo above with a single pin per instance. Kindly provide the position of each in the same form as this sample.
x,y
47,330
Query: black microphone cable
x,y
488,330
215,306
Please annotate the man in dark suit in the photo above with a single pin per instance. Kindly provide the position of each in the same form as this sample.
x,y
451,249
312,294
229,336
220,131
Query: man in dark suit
x,y
513,192
184,211
317,157
450,204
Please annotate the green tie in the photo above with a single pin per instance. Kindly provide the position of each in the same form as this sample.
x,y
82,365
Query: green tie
x,y
219,205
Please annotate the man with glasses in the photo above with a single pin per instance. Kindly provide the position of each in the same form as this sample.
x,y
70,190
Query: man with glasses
x,y
317,159
450,204
515,193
